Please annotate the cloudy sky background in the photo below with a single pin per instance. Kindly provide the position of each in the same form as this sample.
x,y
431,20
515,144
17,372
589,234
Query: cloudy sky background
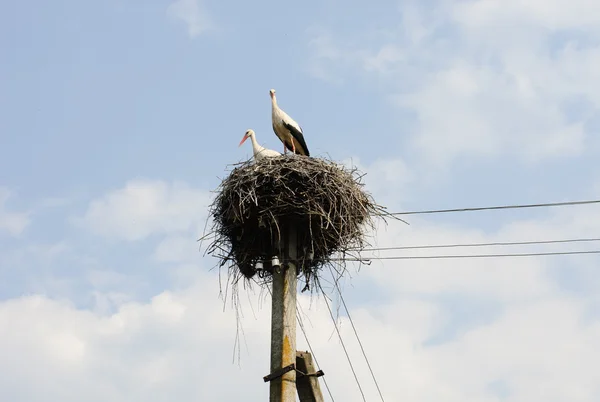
x,y
117,119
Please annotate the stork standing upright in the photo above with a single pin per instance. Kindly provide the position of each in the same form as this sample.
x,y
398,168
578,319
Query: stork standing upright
x,y
288,131
260,152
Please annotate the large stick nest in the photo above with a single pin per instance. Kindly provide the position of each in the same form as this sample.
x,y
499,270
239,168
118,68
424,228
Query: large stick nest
x,y
257,204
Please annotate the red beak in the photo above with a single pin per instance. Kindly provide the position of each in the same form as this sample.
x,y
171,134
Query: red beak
x,y
243,139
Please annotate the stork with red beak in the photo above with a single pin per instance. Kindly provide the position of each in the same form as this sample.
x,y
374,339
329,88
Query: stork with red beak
x,y
288,131
259,151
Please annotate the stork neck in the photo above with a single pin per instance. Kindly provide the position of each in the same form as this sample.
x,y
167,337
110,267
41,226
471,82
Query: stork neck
x,y
255,145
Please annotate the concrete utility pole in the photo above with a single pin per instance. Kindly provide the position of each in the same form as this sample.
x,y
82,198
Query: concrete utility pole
x,y
283,323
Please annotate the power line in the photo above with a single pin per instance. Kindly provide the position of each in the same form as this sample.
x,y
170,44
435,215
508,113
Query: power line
x,y
356,333
549,204
342,342
514,243
425,257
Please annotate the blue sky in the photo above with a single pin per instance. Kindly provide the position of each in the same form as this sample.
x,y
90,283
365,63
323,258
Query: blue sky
x,y
117,119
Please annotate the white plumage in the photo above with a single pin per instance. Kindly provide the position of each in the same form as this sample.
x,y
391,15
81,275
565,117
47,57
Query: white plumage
x,y
286,128
259,151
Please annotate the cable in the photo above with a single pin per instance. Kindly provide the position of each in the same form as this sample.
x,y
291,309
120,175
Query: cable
x,y
550,204
298,315
343,345
356,333
425,257
482,244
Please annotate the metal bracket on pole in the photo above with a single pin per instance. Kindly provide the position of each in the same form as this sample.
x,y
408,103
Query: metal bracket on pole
x,y
278,373
319,373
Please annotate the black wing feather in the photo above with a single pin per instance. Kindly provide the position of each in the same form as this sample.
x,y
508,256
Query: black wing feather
x,y
297,136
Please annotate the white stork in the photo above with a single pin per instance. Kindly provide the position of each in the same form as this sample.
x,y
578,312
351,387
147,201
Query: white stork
x,y
288,131
259,151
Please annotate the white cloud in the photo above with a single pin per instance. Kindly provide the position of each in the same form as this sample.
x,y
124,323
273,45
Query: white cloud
x,y
492,278
553,14
506,280
482,78
466,110
177,345
145,207
34,254
193,14
12,222
177,249
181,344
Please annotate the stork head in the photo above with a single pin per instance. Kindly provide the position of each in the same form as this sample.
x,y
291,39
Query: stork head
x,y
272,93
249,133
